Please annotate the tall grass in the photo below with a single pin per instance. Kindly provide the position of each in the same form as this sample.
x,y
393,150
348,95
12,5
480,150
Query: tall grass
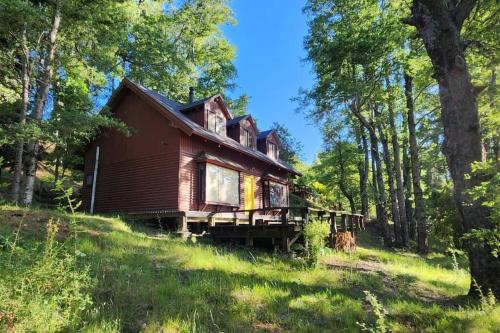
x,y
143,280
43,287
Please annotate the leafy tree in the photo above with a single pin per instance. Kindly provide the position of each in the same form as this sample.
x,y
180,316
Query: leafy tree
x,y
440,26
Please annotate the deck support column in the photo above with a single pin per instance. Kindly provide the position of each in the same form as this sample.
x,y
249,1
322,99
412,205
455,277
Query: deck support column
x,y
251,218
351,223
285,242
249,238
284,213
362,219
343,222
182,223
333,228
211,221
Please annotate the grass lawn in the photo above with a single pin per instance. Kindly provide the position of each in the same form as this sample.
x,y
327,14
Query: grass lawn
x,y
144,280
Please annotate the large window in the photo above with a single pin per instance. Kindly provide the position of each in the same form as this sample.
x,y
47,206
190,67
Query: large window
x,y
277,195
222,185
247,138
216,123
273,150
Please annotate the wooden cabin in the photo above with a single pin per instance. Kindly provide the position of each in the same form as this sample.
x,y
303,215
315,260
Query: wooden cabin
x,y
182,159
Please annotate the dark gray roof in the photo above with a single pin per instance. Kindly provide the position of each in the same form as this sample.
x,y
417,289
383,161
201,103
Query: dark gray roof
x,y
264,134
175,109
237,120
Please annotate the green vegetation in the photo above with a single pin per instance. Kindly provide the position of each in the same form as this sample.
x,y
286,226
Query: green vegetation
x,y
142,279
315,234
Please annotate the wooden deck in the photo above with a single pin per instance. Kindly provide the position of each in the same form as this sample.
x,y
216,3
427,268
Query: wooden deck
x,y
283,224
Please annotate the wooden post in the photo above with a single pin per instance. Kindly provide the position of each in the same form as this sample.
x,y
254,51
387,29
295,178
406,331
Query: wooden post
x,y
251,218
305,215
182,223
351,223
333,229
249,238
284,219
333,222
285,241
211,221
358,222
344,223
363,223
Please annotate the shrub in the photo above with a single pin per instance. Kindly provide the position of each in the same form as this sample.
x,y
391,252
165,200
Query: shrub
x,y
378,311
43,287
315,233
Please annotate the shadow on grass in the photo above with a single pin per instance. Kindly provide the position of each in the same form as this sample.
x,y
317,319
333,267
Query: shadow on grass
x,y
140,290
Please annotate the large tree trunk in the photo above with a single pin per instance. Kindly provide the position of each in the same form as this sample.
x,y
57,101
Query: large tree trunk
x,y
380,198
397,168
392,190
363,167
439,24
494,142
26,79
39,105
412,227
420,217
341,182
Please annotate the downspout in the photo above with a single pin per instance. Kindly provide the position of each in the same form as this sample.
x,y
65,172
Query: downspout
x,y
92,199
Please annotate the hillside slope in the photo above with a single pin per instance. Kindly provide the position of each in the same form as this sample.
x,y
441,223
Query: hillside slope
x,y
141,279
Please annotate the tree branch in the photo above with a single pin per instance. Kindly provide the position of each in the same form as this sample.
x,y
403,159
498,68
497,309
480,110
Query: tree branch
x,y
462,11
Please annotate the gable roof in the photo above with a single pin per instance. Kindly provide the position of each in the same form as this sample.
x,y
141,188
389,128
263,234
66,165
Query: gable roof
x,y
265,134
237,120
172,111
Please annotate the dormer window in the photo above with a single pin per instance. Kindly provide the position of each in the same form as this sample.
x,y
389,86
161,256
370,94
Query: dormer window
x,y
247,138
216,122
273,151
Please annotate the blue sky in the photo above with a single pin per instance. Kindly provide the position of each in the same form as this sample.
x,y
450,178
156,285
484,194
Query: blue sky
x,y
269,51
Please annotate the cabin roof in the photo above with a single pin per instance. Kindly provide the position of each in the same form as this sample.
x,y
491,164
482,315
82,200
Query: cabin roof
x,y
173,111
237,120
265,134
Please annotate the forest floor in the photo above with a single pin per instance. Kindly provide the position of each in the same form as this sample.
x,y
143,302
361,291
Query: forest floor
x,y
143,279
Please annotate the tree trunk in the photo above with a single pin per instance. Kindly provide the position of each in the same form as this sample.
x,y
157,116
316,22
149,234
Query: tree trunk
x,y
39,106
380,198
494,142
397,169
412,227
420,217
439,24
18,162
392,190
342,187
363,167
380,190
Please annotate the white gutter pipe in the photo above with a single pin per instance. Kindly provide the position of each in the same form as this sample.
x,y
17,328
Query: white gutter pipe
x,y
92,198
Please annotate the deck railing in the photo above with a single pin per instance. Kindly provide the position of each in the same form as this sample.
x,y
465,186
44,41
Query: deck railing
x,y
348,220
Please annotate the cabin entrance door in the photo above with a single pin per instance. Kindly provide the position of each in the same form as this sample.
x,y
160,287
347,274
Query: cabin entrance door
x,y
249,192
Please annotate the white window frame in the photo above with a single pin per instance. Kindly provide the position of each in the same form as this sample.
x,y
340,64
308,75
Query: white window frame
x,y
224,176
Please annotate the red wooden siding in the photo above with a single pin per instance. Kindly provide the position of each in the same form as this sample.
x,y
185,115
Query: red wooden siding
x,y
188,186
140,172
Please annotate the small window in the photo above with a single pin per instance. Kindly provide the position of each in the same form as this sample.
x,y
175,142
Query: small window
x,y
89,179
216,123
273,150
247,138
277,195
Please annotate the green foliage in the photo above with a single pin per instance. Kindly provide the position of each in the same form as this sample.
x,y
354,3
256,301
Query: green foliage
x,y
315,234
66,198
290,148
42,288
378,311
